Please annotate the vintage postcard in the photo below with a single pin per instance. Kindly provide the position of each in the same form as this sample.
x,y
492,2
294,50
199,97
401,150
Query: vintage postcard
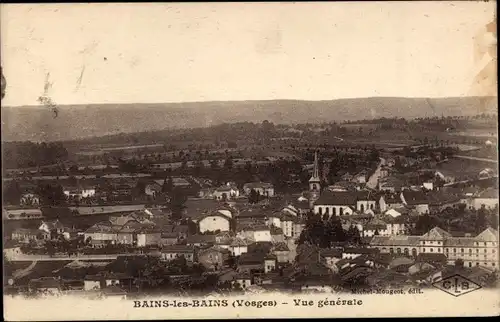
x,y
249,160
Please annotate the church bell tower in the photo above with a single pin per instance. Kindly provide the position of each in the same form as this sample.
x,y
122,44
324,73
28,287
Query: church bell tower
x,y
314,183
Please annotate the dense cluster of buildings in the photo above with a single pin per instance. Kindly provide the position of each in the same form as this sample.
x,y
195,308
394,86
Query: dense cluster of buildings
x,y
256,244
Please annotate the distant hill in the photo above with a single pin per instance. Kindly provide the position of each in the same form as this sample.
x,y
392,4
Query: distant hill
x,y
37,123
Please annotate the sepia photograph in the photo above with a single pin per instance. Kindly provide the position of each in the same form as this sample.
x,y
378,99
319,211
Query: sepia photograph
x,y
249,160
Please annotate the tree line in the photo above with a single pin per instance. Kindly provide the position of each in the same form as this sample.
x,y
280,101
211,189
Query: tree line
x,y
29,154
325,232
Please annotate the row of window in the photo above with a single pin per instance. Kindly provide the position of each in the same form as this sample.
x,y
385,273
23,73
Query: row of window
x,y
341,210
406,251
334,211
455,250
440,243
493,264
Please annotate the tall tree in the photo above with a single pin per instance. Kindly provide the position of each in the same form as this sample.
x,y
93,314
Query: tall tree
x,y
12,193
140,188
228,164
3,83
51,194
177,201
253,197
353,235
168,186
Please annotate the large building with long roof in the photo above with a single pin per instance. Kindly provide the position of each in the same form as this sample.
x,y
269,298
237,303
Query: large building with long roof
x,y
481,250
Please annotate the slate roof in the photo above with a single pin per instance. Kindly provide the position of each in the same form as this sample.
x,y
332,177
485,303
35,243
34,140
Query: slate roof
x,y
489,194
253,212
181,229
251,258
365,195
415,197
398,240
339,198
280,247
360,250
201,239
256,185
489,234
431,258
238,242
460,241
261,246
437,199
198,207
401,261
167,234
436,233
100,228
177,249
392,199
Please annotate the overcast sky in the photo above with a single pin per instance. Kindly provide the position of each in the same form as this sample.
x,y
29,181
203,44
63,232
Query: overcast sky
x,y
145,53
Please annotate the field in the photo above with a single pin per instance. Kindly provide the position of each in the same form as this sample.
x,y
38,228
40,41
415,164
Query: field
x,y
486,153
41,269
461,167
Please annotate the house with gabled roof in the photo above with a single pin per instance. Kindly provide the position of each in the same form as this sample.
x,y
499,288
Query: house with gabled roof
x,y
148,236
438,201
29,199
52,227
289,225
374,227
226,192
282,252
388,201
415,200
200,240
153,189
215,221
172,252
25,235
252,261
101,234
125,235
488,198
224,239
263,188
213,257
81,190
238,246
391,184
257,232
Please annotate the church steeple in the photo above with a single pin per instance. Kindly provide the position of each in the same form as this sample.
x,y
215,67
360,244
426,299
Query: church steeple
x,y
316,166
314,182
